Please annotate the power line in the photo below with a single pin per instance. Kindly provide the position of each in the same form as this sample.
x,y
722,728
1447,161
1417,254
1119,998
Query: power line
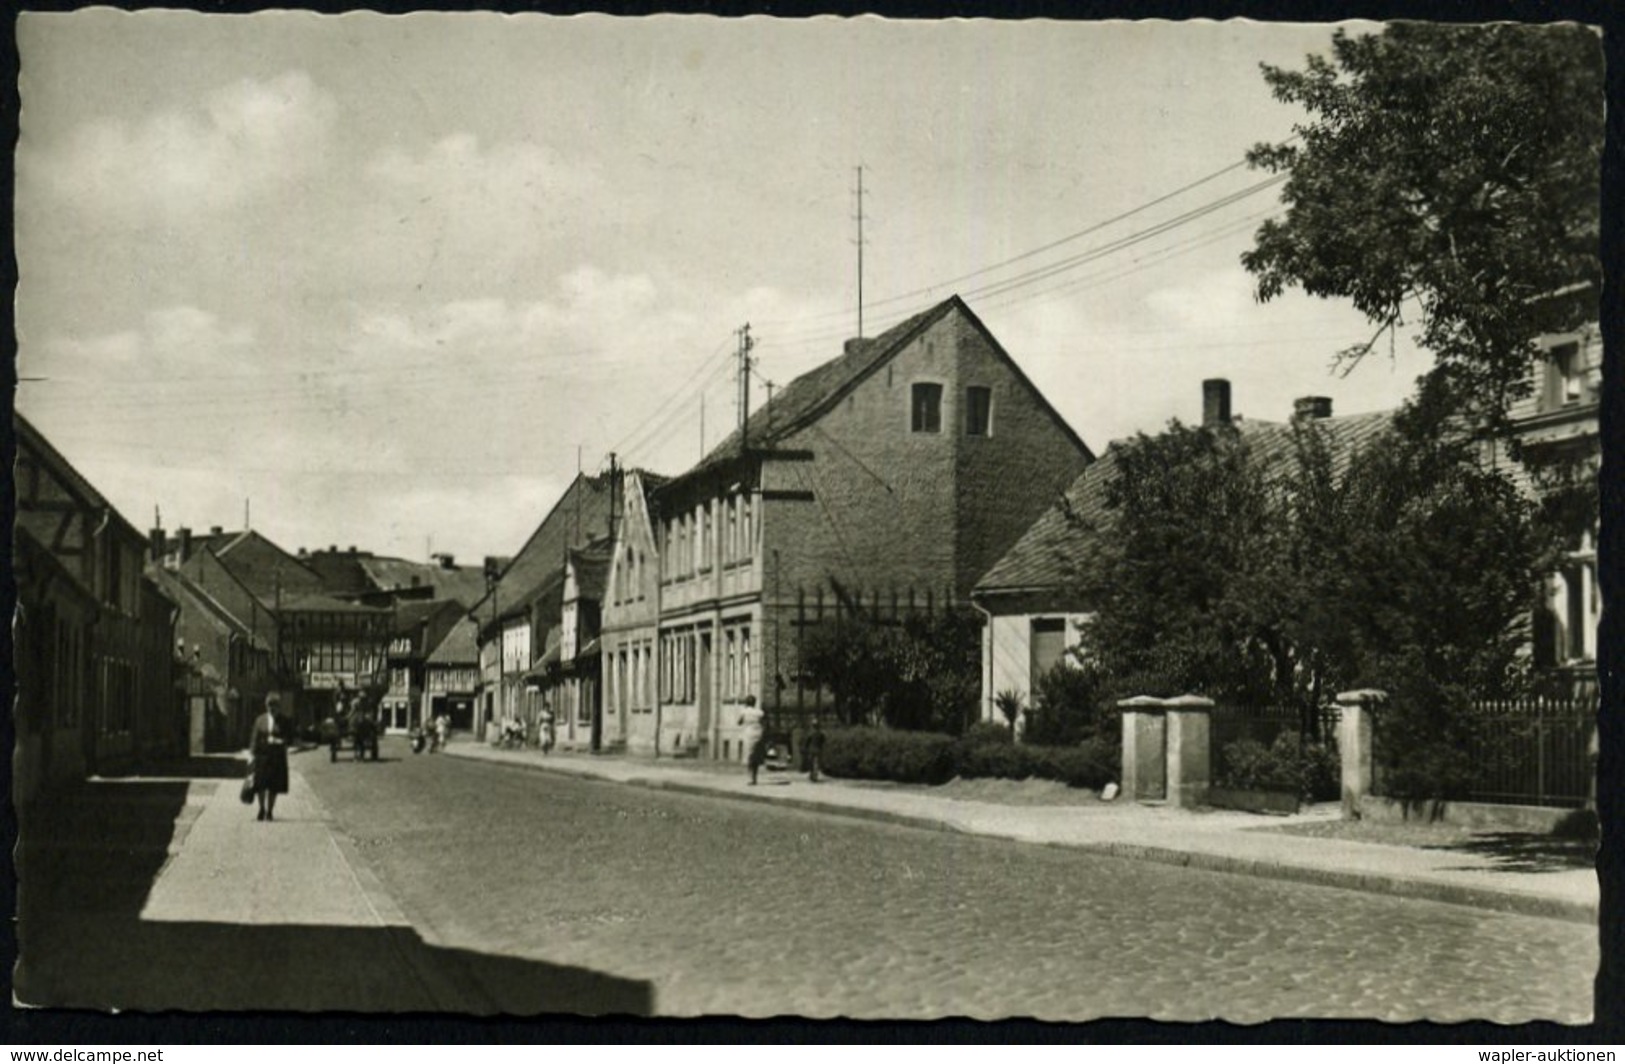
x,y
1086,231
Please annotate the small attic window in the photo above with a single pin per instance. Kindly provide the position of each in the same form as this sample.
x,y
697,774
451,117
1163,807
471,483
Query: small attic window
x,y
927,408
978,411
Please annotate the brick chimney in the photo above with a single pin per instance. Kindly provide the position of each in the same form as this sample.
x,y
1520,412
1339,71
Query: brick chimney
x,y
183,540
217,530
1311,408
155,538
1215,401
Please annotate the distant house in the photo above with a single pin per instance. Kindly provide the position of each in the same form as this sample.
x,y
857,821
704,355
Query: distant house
x,y
881,483
93,637
1035,610
452,676
568,675
224,663
324,642
418,627
521,611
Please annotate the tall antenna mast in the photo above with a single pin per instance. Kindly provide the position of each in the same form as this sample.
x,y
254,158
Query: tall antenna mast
x,y
860,250
246,525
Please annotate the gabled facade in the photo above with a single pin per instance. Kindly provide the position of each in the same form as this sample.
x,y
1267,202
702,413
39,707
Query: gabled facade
x,y
452,677
521,610
631,619
101,637
569,680
883,482
225,665
417,628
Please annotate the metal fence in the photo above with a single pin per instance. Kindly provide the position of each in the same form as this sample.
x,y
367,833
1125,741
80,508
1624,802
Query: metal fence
x,y
1533,751
1264,725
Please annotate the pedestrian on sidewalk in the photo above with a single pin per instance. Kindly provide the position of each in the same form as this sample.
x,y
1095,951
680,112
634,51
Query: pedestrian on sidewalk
x,y
270,753
815,751
754,738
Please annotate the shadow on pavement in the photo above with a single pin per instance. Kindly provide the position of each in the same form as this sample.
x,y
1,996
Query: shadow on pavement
x,y
103,961
1523,851
87,863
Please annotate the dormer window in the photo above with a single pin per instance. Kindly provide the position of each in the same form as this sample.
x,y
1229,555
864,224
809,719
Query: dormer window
x,y
927,408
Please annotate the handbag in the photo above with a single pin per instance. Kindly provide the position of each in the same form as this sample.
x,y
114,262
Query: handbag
x,y
247,793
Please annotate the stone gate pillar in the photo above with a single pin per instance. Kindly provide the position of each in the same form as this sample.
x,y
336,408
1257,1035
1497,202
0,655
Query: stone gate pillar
x,y
1189,739
1358,712
1166,749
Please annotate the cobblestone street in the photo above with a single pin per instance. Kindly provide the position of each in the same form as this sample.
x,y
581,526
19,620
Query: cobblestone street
x,y
735,908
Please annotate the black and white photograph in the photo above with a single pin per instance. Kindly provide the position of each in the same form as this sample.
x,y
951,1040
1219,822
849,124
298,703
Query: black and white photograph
x,y
531,516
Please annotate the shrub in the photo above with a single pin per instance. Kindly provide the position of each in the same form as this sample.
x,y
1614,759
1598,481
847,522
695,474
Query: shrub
x,y
1312,775
885,754
986,731
1070,705
1000,761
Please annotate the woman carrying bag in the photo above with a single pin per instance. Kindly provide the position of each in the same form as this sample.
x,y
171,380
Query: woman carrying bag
x,y
270,752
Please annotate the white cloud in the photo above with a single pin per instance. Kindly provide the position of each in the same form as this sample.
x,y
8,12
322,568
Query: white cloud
x,y
169,341
239,142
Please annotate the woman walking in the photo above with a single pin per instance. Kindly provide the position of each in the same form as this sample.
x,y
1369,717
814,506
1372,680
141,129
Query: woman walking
x,y
270,749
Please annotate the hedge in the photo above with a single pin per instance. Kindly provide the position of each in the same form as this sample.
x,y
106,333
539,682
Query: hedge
x,y
927,757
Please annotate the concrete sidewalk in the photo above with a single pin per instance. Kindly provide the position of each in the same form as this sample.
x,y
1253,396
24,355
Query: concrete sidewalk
x,y
223,912
1219,840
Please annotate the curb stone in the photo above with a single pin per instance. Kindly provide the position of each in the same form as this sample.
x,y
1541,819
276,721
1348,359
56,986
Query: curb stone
x,y
1505,901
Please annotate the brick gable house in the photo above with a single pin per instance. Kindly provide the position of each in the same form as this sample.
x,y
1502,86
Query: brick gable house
x,y
884,481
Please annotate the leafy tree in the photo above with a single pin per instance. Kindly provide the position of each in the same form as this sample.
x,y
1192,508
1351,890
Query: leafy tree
x,y
1457,167
1268,565
921,674
1190,518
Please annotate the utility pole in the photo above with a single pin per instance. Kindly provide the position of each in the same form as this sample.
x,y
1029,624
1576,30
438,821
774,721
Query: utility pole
x,y
702,426
745,345
246,525
613,481
860,250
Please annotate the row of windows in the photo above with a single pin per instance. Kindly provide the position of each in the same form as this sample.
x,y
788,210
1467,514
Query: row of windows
x,y
630,678
628,581
677,657
738,678
452,679
926,409
338,657
687,539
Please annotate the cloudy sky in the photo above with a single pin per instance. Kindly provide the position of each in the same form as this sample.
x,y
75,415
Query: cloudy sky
x,y
387,278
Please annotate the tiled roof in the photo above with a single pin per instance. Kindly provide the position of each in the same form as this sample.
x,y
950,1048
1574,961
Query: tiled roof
x,y
1050,554
265,568
592,570
30,437
580,514
806,396
459,646
182,590
314,601
464,583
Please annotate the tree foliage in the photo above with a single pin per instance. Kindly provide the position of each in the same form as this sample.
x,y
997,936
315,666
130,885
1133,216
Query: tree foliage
x,y
921,674
1453,167
1266,566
